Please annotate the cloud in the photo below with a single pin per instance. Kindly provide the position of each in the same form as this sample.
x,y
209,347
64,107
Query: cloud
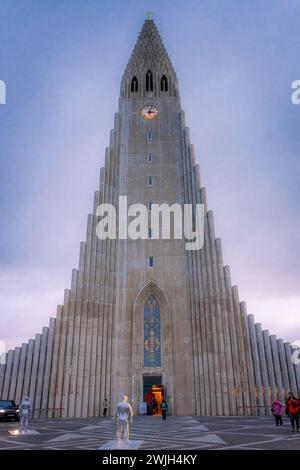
x,y
235,72
280,315
28,299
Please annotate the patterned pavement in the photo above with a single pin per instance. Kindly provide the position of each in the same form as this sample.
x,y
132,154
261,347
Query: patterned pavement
x,y
151,433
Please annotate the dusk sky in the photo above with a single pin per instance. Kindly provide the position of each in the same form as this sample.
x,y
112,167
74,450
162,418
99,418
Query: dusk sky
x,y
62,63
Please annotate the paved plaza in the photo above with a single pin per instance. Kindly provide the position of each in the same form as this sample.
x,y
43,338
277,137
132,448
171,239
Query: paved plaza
x,y
181,433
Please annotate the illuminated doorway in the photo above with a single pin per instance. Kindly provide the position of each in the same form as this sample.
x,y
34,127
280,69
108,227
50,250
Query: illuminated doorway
x,y
153,394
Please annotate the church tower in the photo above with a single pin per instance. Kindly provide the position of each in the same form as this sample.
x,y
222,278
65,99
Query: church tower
x,y
148,314
203,355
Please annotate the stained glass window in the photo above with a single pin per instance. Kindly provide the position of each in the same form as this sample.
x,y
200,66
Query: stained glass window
x,y
152,351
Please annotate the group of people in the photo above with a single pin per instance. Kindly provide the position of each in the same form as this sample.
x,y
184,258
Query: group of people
x,y
124,413
291,409
152,405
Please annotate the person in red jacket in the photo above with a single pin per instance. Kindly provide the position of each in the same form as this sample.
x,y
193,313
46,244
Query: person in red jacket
x,y
292,406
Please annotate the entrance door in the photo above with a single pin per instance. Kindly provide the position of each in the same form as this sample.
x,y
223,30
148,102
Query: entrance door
x,y
153,393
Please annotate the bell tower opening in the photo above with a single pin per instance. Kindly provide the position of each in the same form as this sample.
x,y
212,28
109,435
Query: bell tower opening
x,y
149,81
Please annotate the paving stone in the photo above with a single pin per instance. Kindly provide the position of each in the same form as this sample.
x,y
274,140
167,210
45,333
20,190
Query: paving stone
x,y
151,433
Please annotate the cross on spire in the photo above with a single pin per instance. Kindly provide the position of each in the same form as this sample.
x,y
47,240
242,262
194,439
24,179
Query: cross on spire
x,y
149,15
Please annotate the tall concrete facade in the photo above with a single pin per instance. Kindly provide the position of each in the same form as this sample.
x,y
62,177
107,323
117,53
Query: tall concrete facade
x,y
148,310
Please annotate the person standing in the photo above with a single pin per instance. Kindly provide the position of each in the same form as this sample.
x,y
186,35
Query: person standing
x,y
164,409
25,409
148,399
154,406
149,407
277,411
105,407
123,414
292,407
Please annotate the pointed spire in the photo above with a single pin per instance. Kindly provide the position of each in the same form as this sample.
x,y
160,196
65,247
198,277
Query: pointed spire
x,y
149,52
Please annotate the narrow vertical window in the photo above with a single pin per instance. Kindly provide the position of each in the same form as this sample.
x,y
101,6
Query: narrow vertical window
x,y
149,157
149,206
149,233
152,339
134,85
151,261
164,83
149,81
149,136
150,181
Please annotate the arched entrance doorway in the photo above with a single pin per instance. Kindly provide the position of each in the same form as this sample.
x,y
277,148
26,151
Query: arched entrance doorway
x,y
152,363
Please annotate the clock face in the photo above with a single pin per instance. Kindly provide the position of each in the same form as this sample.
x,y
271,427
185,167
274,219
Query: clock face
x,y
149,112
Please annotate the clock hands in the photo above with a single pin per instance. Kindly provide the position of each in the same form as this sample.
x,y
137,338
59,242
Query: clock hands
x,y
149,112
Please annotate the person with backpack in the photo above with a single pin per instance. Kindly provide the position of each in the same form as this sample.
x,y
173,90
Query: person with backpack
x,y
292,409
277,411
164,409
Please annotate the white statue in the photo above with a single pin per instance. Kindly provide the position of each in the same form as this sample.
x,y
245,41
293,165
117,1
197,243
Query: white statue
x,y
25,409
123,414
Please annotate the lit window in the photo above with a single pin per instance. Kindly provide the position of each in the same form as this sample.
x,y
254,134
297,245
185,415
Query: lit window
x,y
150,181
151,261
149,157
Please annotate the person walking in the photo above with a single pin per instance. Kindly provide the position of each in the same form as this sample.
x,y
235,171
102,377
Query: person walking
x,y
164,409
25,408
276,409
105,407
292,407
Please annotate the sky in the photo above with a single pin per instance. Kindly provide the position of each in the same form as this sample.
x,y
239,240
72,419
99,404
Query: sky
x,y
62,63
